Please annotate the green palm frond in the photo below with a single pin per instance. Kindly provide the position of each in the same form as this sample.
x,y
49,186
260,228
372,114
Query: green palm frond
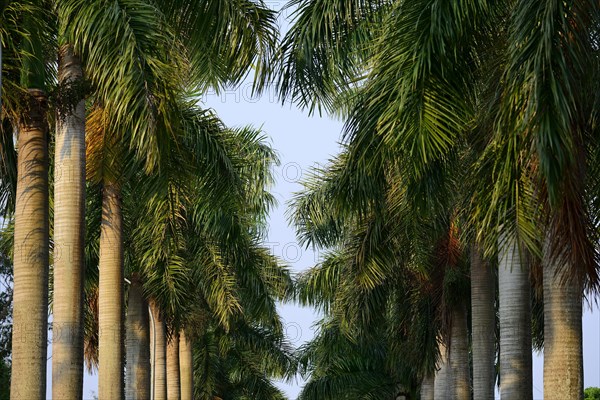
x,y
130,57
327,49
546,77
318,285
418,100
240,364
224,39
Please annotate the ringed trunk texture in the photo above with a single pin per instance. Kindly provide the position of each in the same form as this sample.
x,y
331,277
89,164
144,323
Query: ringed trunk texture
x,y
459,377
186,367
173,379
427,388
69,212
30,310
137,344
483,326
110,346
563,344
441,385
158,347
515,324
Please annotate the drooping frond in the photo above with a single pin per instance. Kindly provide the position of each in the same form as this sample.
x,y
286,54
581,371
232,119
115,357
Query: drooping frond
x,y
327,49
224,39
129,54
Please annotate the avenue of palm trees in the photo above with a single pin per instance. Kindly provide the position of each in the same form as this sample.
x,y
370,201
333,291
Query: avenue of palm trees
x,y
459,223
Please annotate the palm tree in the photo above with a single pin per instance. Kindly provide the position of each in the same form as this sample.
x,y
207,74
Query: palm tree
x,y
436,69
483,319
103,54
240,364
30,310
397,258
173,381
137,344
158,351
411,108
186,366
555,76
69,209
168,211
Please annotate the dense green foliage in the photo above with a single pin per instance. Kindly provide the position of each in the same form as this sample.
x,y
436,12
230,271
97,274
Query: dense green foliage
x,y
591,393
468,125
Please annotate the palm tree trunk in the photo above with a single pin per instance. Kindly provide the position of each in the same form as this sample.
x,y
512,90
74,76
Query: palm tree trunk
x,y
173,380
483,326
515,324
563,345
186,366
137,345
110,347
441,385
30,295
427,388
69,211
159,355
459,355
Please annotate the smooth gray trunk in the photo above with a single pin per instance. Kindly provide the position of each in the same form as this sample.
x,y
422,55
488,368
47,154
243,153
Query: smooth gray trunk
x,y
515,324
442,376
110,297
158,359
186,367
30,259
428,388
483,326
173,379
137,344
563,344
460,380
69,213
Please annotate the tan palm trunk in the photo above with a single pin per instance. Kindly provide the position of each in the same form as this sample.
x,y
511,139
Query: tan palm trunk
x,y
173,380
483,326
442,376
186,367
459,355
563,345
427,388
515,324
110,308
137,344
30,307
69,209
158,346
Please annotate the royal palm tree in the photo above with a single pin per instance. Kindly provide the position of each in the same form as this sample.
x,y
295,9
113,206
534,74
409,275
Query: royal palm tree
x,y
346,36
389,259
188,247
169,243
137,343
68,237
550,84
186,366
240,364
138,31
436,68
26,105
